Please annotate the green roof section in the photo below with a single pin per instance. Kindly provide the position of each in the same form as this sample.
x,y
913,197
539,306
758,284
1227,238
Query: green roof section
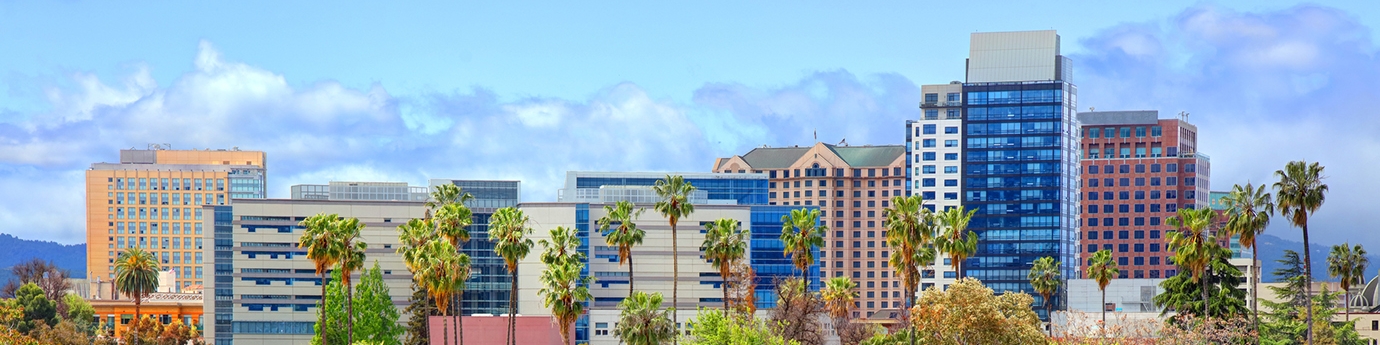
x,y
857,156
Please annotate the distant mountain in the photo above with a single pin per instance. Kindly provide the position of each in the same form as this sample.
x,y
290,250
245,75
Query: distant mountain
x,y
1272,248
17,250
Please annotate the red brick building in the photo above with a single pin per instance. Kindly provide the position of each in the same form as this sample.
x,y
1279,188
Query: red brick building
x,y
1138,170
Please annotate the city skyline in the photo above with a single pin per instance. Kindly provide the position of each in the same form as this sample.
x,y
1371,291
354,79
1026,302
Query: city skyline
x,y
1250,80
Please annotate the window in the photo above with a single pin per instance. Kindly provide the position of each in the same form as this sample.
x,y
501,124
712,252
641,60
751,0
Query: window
x,y
1092,221
1122,248
1125,132
951,143
927,143
927,156
1092,182
929,129
1092,169
929,182
951,169
951,183
1123,234
950,156
951,130
1156,131
1171,167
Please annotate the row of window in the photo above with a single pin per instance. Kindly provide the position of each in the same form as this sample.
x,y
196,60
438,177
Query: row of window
x,y
1140,181
931,143
930,169
838,193
1121,132
157,213
816,171
1122,235
154,228
930,156
1140,195
165,199
930,129
153,243
1110,152
1123,208
1139,168
837,183
1125,221
162,184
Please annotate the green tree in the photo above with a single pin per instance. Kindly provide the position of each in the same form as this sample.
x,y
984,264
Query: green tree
x,y
712,328
1102,268
564,290
910,233
376,317
508,231
1225,299
333,307
412,239
838,296
624,233
956,240
969,313
802,235
675,204
641,321
1046,279
80,312
443,274
136,275
38,310
1299,193
351,250
1192,244
1248,213
724,244
1349,265
317,239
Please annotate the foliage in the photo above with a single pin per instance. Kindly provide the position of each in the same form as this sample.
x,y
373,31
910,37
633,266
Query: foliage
x,y
797,313
641,320
625,235
1102,268
322,251
1193,244
334,310
376,319
443,272
564,290
508,231
910,233
37,309
675,204
1221,278
713,328
956,240
144,330
1348,264
1191,330
1286,321
412,237
838,296
1248,214
346,233
1299,193
968,313
177,333
64,333
802,235
742,291
723,245
1045,278
47,275
79,312
418,308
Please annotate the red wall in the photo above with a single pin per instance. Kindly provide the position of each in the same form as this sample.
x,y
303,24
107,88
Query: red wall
x,y
486,330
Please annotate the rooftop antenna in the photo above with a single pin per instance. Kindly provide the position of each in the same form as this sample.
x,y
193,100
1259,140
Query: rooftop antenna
x,y
1092,109
1183,115
843,142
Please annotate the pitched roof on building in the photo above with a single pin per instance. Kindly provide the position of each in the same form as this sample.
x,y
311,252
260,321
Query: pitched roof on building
x,y
856,156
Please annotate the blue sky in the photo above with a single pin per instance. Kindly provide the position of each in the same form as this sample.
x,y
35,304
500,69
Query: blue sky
x,y
529,90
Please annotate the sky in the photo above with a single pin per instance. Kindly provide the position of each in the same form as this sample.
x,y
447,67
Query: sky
x,y
529,90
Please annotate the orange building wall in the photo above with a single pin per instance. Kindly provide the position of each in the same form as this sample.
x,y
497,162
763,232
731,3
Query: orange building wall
x,y
114,313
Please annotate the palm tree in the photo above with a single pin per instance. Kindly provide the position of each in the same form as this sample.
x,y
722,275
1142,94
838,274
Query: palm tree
x,y
413,237
322,250
838,295
446,194
910,230
1349,264
1102,268
723,244
1045,278
452,219
956,240
1193,245
564,290
1299,193
625,235
136,275
674,205
563,246
642,322
508,231
351,251
802,234
443,272
1248,210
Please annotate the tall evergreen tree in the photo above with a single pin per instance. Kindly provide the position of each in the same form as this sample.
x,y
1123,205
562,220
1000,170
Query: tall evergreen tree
x,y
333,309
376,319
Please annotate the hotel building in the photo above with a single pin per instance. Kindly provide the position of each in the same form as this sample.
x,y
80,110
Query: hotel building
x,y
851,185
152,199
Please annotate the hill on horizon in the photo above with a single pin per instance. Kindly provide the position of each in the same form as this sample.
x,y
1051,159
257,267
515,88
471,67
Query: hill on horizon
x,y
1272,248
71,257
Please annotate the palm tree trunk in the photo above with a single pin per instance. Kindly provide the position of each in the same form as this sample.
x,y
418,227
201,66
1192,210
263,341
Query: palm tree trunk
x,y
137,302
512,310
630,274
1049,313
321,326
675,281
910,304
349,312
1255,291
723,273
1308,282
445,330
1103,328
460,317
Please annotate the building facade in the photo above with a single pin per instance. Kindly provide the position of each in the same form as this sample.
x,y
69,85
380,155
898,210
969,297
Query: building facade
x,y
851,185
152,199
1138,170
339,190
1017,156
934,145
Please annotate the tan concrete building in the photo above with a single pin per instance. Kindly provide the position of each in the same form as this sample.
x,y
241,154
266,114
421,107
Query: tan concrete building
x,y
851,185
151,199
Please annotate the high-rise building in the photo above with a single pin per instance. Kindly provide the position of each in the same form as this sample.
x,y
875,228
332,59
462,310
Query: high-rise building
x,y
1138,170
266,290
152,199
1016,162
851,185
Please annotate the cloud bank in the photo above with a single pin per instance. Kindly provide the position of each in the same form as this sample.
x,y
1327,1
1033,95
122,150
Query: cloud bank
x,y
325,131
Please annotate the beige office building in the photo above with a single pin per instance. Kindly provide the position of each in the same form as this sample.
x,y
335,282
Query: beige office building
x,y
851,185
152,199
